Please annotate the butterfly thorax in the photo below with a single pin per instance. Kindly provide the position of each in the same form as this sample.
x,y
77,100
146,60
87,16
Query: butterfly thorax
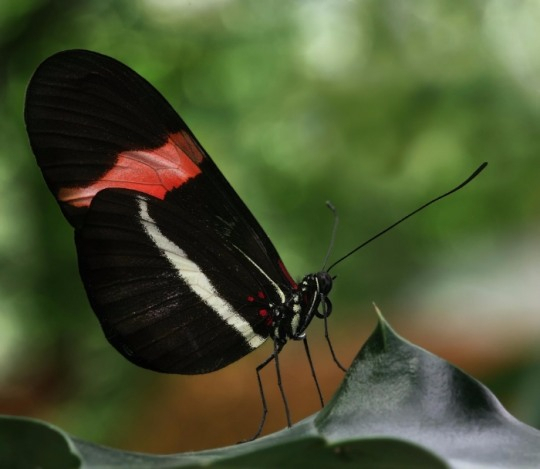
x,y
302,304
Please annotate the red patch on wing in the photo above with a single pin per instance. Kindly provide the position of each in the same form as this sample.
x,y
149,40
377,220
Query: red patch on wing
x,y
154,172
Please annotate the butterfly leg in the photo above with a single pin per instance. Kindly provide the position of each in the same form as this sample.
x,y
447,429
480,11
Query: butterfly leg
x,y
306,348
275,353
327,306
277,348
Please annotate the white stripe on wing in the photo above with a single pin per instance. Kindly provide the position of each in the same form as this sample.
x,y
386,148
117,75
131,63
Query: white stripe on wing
x,y
196,280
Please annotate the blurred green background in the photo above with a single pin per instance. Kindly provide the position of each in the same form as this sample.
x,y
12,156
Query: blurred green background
x,y
375,105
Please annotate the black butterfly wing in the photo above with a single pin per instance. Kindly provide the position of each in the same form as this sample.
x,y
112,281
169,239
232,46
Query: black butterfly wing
x,y
172,297
98,128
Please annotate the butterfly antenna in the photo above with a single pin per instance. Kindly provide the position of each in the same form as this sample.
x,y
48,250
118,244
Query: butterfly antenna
x,y
455,189
333,236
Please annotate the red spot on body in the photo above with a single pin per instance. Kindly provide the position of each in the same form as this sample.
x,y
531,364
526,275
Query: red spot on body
x,y
261,295
154,172
263,313
250,299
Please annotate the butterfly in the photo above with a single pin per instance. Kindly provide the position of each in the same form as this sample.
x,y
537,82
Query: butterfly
x,y
180,274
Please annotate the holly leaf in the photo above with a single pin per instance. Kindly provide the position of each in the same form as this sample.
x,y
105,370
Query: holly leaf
x,y
398,406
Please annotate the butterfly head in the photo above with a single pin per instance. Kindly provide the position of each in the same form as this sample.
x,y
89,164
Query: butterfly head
x,y
309,300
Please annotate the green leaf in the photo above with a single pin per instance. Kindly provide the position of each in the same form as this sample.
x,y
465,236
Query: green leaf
x,y
398,406
396,389
280,449
27,443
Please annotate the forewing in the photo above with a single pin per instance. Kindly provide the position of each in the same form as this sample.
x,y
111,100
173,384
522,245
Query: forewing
x,y
95,124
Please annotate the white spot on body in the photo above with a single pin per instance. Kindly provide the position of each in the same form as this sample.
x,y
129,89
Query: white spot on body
x,y
295,322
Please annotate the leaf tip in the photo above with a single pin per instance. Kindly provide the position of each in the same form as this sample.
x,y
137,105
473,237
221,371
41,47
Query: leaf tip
x,y
378,311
